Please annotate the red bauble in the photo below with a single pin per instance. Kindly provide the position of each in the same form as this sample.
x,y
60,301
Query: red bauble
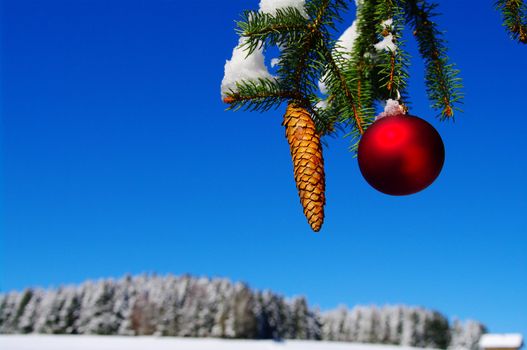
x,y
401,154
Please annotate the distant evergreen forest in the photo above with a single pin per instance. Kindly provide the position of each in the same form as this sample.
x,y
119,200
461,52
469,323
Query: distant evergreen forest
x,y
187,306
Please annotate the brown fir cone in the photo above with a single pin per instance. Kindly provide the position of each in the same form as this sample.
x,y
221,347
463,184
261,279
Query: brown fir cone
x,y
308,163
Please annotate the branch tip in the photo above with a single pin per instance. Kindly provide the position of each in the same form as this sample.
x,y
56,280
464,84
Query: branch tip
x,y
228,99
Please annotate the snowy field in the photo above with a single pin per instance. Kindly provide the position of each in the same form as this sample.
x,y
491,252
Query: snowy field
x,y
83,342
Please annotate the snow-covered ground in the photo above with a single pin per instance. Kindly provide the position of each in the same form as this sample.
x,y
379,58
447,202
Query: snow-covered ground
x,y
83,342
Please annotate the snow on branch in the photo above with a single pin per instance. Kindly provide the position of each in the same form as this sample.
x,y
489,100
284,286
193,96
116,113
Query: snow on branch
x,y
252,67
242,67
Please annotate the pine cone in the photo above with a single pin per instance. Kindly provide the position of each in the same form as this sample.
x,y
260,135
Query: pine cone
x,y
308,163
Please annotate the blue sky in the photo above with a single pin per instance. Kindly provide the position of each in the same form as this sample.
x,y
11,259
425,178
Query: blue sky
x,y
118,157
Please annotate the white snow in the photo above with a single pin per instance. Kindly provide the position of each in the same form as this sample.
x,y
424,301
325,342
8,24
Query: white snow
x,y
386,44
513,340
392,108
322,104
84,342
347,39
388,22
242,67
345,43
322,87
270,6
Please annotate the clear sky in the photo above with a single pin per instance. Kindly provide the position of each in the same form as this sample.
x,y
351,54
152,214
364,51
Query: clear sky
x,y
118,157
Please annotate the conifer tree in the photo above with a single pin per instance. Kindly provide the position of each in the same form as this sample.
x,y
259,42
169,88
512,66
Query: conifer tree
x,y
199,307
357,73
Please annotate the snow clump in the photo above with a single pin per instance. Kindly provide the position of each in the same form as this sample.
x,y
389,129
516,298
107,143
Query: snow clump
x,y
252,67
392,108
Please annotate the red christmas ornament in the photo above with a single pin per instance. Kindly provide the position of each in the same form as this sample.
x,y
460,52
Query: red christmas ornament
x,y
401,154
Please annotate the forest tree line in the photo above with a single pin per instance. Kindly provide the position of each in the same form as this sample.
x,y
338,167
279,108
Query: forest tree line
x,y
188,306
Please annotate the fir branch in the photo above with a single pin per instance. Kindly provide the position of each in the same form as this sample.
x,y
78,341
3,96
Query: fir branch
x,y
264,94
342,81
393,64
264,29
259,95
442,81
299,64
313,31
355,103
514,13
325,122
362,66
355,80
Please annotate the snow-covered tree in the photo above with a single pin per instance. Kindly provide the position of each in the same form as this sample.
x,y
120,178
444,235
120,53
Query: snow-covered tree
x,y
48,318
12,307
187,306
436,331
465,336
303,323
96,315
26,322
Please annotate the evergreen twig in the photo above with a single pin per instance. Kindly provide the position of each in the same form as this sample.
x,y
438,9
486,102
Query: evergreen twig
x,y
264,29
355,80
362,64
514,14
258,95
344,88
442,81
393,64
301,59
